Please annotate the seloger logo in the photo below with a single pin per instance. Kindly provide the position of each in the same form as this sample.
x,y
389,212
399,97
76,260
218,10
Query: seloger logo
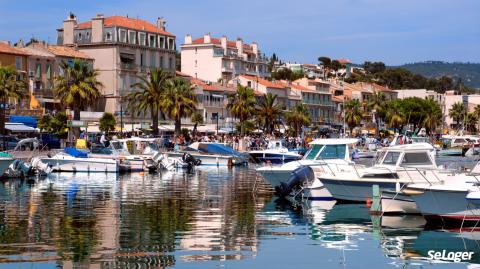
x,y
443,255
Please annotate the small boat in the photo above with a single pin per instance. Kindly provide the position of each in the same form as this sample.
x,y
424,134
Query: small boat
x,y
5,161
74,160
118,150
456,197
275,153
394,167
321,151
211,153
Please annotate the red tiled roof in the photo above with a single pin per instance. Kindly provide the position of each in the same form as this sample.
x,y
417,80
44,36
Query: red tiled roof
x,y
130,23
7,49
264,82
337,99
68,52
180,74
204,85
217,41
301,88
344,61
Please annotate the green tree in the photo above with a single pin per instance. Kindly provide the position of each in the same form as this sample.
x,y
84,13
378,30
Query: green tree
x,y
477,113
374,67
470,122
178,101
78,87
458,113
395,115
147,95
10,87
353,114
377,104
58,124
107,122
326,62
44,123
242,105
269,111
298,117
432,115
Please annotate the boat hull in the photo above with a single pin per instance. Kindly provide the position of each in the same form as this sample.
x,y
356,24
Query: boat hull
x,y
274,158
397,203
446,204
356,191
81,165
215,160
4,164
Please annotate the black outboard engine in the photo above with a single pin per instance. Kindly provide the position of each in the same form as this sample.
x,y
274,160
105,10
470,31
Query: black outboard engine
x,y
190,160
298,177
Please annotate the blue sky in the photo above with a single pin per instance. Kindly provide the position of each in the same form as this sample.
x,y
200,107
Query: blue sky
x,y
393,31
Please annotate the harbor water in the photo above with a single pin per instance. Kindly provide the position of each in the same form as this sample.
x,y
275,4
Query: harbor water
x,y
211,217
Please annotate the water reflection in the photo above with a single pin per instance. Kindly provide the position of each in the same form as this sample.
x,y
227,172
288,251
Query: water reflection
x,y
209,217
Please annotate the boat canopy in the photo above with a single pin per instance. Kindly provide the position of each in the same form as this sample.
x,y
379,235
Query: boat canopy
x,y
76,152
214,148
335,141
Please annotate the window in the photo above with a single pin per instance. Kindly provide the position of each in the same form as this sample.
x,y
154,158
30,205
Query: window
x,y
416,158
49,71
79,36
122,35
162,42
196,50
333,152
142,37
195,63
38,70
391,158
108,36
161,61
141,59
152,41
132,37
312,153
152,61
18,62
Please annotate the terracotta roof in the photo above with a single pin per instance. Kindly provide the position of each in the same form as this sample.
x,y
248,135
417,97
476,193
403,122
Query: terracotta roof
x,y
338,99
344,61
7,49
68,52
217,41
204,86
264,82
180,74
130,23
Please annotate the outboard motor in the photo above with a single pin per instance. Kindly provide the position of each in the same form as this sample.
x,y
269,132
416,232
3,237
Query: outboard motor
x,y
298,177
190,160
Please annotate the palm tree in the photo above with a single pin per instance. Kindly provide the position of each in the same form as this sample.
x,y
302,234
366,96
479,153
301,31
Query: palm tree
x,y
458,113
377,103
148,96
178,101
10,87
432,115
395,116
269,111
298,117
470,121
242,105
353,114
78,87
477,113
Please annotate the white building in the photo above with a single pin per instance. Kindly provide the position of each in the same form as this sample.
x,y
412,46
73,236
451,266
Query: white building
x,y
214,59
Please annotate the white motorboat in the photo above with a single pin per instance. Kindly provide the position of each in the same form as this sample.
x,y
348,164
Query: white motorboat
x,y
118,150
456,197
210,153
320,152
275,153
5,161
74,160
394,167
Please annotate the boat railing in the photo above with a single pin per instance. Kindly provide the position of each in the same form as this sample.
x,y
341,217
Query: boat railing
x,y
322,162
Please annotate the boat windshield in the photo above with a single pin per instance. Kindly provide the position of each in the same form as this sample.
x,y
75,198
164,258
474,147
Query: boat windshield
x,y
416,158
333,152
312,153
380,156
391,158
117,145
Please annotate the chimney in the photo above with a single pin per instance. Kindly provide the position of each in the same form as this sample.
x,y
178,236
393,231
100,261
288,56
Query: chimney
x,y
97,29
68,29
161,23
223,42
255,48
240,47
207,39
188,39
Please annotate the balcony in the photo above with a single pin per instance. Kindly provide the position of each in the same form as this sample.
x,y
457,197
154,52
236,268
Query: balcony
x,y
213,104
227,69
44,93
128,67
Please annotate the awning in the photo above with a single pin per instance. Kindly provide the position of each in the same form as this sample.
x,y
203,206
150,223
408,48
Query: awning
x,y
19,127
26,120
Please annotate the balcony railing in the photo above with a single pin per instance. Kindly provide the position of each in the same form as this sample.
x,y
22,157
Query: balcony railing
x,y
128,66
44,93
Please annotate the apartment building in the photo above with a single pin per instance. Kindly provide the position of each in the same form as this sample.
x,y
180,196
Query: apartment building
x,y
318,100
123,48
219,59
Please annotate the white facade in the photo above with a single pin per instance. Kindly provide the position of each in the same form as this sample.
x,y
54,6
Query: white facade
x,y
219,59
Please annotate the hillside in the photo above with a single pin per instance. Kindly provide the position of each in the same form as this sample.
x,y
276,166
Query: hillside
x,y
468,72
